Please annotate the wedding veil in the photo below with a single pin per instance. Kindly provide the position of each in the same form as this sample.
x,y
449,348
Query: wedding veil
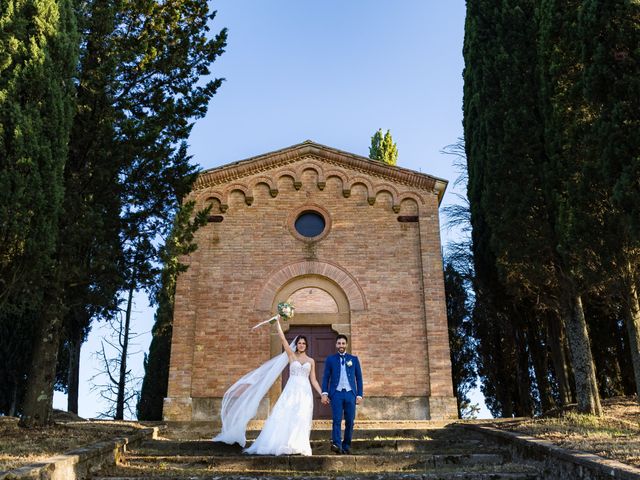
x,y
240,403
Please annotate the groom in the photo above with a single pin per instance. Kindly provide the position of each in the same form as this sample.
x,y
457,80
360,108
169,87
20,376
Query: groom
x,y
342,384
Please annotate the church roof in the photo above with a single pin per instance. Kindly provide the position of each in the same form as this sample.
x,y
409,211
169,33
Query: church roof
x,y
308,148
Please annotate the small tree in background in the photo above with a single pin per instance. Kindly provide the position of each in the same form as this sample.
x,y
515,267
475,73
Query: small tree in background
x,y
383,148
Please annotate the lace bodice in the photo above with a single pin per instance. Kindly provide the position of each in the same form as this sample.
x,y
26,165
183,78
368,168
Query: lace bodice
x,y
297,369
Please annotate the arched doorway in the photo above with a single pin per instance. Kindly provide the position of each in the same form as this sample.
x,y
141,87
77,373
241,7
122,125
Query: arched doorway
x,y
321,312
322,340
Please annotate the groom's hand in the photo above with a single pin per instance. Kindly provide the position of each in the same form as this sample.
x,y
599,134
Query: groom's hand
x,y
358,400
324,399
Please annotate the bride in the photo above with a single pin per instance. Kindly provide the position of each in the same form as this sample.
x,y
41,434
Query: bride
x,y
288,427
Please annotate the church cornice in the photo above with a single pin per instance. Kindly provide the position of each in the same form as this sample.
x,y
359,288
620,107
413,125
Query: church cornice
x,y
268,161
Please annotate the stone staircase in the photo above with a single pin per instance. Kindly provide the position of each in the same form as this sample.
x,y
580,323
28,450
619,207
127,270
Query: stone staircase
x,y
378,452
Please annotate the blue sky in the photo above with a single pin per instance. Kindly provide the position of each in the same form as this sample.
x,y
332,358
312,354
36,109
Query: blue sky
x,y
333,72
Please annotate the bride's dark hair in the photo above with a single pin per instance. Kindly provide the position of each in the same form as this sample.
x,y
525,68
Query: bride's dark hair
x,y
302,337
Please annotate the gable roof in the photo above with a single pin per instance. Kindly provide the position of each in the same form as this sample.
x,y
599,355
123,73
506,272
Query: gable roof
x,y
308,148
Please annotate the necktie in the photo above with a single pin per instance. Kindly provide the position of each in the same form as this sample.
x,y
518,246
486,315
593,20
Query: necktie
x,y
341,359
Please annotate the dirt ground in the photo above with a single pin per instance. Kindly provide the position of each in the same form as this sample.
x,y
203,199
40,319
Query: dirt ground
x,y
19,446
615,435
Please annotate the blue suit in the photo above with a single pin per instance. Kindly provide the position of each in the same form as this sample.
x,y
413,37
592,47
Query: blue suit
x,y
343,403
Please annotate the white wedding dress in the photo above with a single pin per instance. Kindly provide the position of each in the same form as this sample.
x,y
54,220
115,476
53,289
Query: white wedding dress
x,y
287,430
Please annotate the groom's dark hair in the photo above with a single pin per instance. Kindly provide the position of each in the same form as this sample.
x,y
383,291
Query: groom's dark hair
x,y
340,335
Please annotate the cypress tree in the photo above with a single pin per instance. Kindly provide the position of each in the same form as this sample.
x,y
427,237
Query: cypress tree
x,y
570,187
502,349
609,32
139,92
461,341
36,109
383,148
37,57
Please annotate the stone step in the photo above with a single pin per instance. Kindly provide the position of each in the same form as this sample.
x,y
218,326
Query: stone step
x,y
377,476
452,431
203,429
321,446
319,463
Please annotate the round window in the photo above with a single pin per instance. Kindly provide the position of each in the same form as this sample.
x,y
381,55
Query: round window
x,y
310,224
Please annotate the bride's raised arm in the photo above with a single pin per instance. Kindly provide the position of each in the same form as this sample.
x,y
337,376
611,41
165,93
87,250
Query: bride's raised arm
x,y
285,343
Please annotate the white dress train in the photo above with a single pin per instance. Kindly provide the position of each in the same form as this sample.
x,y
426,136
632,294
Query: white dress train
x,y
287,430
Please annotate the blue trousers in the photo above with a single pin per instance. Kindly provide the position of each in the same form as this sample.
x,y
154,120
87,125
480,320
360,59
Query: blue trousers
x,y
343,405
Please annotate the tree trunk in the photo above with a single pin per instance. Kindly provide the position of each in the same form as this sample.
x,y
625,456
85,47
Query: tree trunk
x,y
523,379
623,355
632,321
540,357
505,344
74,373
14,399
556,339
122,381
584,370
38,399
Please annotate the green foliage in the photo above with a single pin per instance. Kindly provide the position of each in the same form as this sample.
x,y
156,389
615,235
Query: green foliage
x,y
38,52
138,89
383,148
157,63
551,127
489,55
461,340
37,60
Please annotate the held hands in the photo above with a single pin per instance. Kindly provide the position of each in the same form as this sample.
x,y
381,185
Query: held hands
x,y
324,399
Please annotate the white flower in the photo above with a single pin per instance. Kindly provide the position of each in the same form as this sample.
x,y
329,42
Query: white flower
x,y
285,310
349,363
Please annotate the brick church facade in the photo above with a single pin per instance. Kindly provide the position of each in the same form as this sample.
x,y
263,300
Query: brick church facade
x,y
353,243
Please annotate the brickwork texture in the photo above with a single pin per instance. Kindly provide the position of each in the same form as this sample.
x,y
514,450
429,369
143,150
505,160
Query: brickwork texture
x,y
381,247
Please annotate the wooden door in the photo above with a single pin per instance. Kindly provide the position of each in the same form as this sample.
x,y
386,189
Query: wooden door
x,y
322,343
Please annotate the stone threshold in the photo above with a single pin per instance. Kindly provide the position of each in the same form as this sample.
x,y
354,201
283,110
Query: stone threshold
x,y
81,462
558,462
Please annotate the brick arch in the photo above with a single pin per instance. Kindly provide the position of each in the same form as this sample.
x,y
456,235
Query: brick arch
x,y
385,187
362,181
338,174
403,196
289,173
205,196
248,195
315,166
341,277
268,181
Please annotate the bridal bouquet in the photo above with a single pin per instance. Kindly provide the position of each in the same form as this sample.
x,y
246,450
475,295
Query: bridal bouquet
x,y
285,312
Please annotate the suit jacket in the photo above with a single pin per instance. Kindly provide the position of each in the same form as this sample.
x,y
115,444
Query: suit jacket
x,y
331,375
